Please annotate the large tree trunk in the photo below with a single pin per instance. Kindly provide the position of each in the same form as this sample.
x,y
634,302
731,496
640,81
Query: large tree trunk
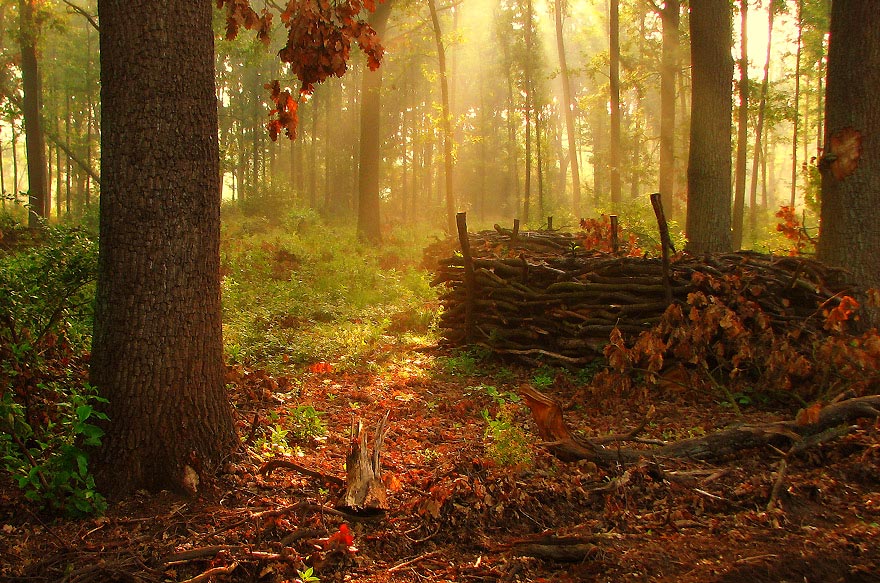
x,y
742,134
568,107
614,155
708,213
669,64
157,352
851,164
369,224
35,142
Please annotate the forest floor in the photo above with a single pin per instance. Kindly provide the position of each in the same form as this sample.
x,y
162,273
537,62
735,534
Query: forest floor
x,y
474,496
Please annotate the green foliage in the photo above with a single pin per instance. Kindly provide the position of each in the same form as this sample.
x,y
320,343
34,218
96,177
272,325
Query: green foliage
x,y
305,423
307,576
50,462
499,397
508,444
302,292
48,289
47,410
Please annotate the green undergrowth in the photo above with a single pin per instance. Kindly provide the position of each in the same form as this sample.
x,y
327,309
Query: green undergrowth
x,y
297,292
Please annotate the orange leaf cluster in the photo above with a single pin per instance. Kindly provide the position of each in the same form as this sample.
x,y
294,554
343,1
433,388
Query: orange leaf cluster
x,y
319,38
596,235
722,329
791,227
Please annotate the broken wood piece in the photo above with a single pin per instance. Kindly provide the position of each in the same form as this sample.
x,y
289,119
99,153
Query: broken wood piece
x,y
273,465
564,549
547,414
365,492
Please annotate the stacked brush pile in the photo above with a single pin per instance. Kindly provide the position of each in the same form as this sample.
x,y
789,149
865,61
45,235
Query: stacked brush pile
x,y
544,294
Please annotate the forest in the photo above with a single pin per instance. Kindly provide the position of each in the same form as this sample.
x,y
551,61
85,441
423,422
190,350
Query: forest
x,y
424,290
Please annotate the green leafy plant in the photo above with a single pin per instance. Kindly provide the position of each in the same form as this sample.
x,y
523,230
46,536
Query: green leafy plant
x,y
307,576
50,463
498,396
508,444
305,423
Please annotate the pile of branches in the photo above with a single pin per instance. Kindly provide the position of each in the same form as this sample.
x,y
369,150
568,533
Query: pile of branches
x,y
544,294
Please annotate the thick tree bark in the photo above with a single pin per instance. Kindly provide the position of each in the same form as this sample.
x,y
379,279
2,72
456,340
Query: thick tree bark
x,y
851,163
369,223
742,134
32,105
568,108
709,165
669,64
157,352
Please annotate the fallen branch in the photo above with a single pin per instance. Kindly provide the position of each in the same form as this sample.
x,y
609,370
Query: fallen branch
x,y
547,414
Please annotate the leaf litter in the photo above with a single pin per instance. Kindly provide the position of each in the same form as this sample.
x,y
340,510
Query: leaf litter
x,y
457,514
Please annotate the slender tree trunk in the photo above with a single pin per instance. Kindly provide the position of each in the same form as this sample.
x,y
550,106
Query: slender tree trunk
x,y
369,223
709,172
568,107
446,122
614,154
157,353
742,135
797,100
669,65
759,129
37,163
851,163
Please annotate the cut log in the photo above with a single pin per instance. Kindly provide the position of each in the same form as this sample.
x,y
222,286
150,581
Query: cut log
x,y
365,491
547,414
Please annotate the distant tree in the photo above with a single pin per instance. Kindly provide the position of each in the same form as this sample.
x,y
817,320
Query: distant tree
x,y
614,153
446,121
568,106
709,163
850,166
670,14
742,126
32,106
369,223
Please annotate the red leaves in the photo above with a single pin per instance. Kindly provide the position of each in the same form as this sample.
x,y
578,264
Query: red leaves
x,y
319,38
793,230
836,318
321,368
285,112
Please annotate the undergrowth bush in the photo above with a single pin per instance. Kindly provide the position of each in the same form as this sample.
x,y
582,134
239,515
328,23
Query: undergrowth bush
x,y
302,292
46,407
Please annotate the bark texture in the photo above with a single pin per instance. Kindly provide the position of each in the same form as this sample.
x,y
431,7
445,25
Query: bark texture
x,y
709,163
851,163
157,349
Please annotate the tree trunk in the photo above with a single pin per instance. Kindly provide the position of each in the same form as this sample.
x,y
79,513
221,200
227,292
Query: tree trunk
x,y
759,127
614,155
369,223
446,122
742,134
157,353
797,99
669,64
708,213
851,165
568,106
35,142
